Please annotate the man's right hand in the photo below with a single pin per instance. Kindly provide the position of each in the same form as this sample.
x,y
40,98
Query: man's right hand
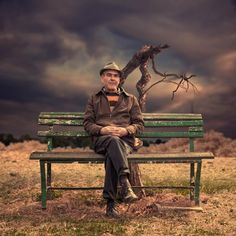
x,y
106,130
113,130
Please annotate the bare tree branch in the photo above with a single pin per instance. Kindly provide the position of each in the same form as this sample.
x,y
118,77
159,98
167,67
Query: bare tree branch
x,y
141,59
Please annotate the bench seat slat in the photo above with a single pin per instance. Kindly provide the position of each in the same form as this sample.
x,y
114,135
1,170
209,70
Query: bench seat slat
x,y
86,157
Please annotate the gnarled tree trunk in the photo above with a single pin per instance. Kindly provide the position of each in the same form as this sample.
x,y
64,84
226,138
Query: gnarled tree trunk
x,y
141,59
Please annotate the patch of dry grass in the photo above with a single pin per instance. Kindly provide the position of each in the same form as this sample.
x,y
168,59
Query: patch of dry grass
x,y
82,213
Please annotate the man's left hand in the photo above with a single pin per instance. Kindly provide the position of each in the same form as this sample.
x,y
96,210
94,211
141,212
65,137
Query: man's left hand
x,y
120,131
113,130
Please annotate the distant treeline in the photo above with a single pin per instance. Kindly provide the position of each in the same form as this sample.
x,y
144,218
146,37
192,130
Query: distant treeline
x,y
61,141
9,138
57,142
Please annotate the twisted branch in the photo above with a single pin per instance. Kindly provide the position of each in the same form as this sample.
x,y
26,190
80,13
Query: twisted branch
x,y
141,59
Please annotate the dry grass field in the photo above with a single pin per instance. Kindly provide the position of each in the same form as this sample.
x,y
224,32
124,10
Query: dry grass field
x,y
82,213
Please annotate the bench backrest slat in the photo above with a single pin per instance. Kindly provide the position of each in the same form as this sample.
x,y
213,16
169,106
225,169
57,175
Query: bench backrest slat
x,y
79,122
180,134
157,125
62,115
171,116
147,116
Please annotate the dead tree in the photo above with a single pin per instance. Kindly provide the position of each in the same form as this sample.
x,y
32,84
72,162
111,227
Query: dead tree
x,y
141,60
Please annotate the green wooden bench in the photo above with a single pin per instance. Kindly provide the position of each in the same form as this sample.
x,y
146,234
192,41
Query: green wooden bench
x,y
157,125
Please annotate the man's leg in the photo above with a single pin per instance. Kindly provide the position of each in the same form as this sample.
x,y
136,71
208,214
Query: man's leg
x,y
117,152
110,189
115,162
111,180
116,166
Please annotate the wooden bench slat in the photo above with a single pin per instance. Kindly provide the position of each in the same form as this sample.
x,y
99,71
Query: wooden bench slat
x,y
79,122
86,157
70,122
180,134
179,123
195,129
172,116
147,116
58,115
63,134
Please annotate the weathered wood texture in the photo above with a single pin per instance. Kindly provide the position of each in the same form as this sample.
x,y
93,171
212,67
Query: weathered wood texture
x,y
87,157
191,122
157,125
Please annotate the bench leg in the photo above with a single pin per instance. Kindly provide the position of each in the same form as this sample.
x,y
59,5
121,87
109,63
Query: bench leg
x,y
197,184
192,170
43,184
192,182
49,175
49,180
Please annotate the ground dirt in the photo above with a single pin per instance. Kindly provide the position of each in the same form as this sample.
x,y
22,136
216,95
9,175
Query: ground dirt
x,y
82,213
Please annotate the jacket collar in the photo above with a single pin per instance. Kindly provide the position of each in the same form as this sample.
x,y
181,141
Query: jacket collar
x,y
120,91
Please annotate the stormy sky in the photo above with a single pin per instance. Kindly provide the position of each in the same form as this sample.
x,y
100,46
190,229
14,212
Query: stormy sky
x,y
51,52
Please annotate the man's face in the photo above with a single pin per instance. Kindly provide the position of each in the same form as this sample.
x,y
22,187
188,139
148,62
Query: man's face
x,y
110,80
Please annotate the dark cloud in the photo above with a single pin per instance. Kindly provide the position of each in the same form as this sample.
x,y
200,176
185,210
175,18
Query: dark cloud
x,y
51,51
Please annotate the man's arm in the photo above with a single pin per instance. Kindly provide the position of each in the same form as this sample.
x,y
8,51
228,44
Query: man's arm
x,y
136,117
136,126
93,129
90,120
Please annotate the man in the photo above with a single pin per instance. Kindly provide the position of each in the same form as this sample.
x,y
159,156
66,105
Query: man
x,y
112,118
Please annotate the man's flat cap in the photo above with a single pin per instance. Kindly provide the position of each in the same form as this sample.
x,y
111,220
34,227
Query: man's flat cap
x,y
111,66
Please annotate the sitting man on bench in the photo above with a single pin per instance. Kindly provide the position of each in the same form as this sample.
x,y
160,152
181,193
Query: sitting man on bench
x,y
112,118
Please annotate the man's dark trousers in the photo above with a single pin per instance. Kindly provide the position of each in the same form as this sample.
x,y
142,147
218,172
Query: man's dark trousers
x,y
115,151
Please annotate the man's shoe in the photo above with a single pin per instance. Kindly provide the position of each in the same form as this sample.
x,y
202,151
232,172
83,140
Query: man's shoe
x,y
111,210
128,195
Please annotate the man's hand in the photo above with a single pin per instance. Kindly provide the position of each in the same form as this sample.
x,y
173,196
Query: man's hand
x,y
113,130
